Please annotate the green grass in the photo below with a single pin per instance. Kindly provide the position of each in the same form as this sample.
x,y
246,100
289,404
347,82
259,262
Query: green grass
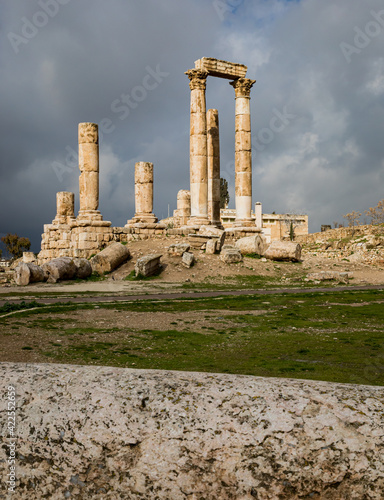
x,y
332,336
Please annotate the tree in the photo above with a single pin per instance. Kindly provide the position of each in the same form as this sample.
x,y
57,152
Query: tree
x,y
353,218
291,221
224,194
16,245
376,213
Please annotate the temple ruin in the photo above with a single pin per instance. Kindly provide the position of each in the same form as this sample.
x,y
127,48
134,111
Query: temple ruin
x,y
87,233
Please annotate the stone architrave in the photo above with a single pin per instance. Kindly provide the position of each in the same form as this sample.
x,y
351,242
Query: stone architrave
x,y
89,168
198,148
143,194
65,207
213,160
243,152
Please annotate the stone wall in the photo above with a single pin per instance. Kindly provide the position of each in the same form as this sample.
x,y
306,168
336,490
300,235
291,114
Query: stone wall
x,y
336,234
100,432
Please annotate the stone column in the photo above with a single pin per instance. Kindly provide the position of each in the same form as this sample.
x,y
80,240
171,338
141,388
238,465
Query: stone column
x,y
89,168
213,161
258,215
183,211
198,148
65,207
243,152
143,194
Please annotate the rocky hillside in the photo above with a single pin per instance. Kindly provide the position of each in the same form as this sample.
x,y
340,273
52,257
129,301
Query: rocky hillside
x,y
360,244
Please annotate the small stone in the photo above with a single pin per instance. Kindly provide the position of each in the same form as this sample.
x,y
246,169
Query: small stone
x,y
188,259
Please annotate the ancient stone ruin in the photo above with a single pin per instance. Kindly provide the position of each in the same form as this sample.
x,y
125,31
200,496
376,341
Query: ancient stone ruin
x,y
87,233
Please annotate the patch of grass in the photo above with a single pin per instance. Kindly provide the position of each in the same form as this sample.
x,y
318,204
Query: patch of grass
x,y
10,307
334,336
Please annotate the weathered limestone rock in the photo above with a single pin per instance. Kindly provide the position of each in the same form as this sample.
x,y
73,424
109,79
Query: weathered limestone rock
x,y
283,250
329,276
213,161
26,273
198,148
243,152
29,257
210,231
183,211
231,255
210,247
148,265
198,240
110,258
177,249
143,194
65,208
62,268
252,244
89,168
83,268
188,259
196,435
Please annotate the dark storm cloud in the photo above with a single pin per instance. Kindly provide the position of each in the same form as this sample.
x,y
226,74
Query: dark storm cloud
x,y
317,106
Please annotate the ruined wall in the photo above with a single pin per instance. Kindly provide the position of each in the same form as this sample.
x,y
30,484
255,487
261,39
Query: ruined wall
x,y
101,432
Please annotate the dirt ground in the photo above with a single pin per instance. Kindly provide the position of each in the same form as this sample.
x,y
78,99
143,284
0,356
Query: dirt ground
x,y
207,269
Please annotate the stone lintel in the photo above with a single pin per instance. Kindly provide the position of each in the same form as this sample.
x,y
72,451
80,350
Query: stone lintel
x,y
220,68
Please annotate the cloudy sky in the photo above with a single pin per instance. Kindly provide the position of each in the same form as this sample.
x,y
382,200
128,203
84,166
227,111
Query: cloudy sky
x,y
317,106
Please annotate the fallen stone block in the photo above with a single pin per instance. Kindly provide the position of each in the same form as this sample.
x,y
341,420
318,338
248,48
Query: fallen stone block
x,y
148,265
210,247
83,268
177,249
110,258
188,259
284,251
29,257
329,276
252,244
231,255
26,273
61,268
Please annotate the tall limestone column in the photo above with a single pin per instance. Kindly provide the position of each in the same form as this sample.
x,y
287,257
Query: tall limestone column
x,y
89,168
213,160
243,152
198,148
143,194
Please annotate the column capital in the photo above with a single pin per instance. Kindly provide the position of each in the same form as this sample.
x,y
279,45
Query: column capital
x,y
197,79
242,86
88,132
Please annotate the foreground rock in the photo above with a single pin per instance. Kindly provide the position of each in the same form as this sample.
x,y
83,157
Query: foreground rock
x,y
252,244
26,273
120,433
62,268
284,251
110,258
148,265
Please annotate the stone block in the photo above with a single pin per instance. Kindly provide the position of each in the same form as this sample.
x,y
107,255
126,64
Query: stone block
x,y
110,258
231,255
177,249
188,259
210,247
148,265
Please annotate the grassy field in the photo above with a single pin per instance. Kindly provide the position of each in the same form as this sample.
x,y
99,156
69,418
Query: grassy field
x,y
332,336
